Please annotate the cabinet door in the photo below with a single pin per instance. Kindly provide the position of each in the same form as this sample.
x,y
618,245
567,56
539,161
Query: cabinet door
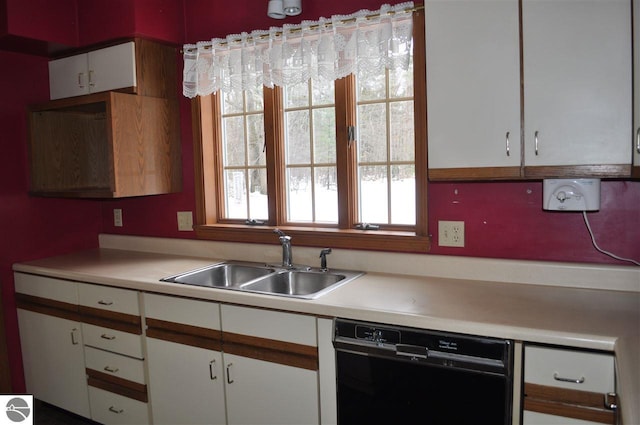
x,y
577,82
185,384
473,88
112,68
53,359
68,77
636,88
260,392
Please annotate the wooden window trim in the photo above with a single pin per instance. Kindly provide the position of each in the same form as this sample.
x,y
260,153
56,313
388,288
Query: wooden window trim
x,y
209,224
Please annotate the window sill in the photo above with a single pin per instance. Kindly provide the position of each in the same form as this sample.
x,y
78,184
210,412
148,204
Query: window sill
x,y
373,240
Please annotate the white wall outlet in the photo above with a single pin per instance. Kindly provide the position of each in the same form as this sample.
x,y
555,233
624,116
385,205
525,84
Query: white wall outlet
x,y
451,233
185,221
117,217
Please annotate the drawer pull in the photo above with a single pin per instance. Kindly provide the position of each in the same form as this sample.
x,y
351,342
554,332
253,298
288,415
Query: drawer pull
x,y
103,302
611,401
572,380
108,337
114,410
111,369
74,341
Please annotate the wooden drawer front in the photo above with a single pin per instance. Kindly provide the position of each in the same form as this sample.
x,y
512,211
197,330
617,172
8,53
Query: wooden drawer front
x,y
203,314
109,408
114,364
110,299
584,371
112,340
267,324
46,287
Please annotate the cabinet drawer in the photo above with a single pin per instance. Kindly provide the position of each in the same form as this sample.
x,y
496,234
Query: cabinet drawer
x,y
110,408
114,364
112,340
204,314
584,371
46,287
109,298
288,327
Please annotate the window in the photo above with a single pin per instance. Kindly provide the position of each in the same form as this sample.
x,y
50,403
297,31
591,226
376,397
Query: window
x,y
325,162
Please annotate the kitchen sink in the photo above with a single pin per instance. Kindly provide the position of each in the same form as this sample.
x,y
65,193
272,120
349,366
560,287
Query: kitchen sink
x,y
296,283
303,282
223,275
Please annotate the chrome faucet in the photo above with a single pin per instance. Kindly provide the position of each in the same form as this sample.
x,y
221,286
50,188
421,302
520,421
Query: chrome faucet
x,y
287,254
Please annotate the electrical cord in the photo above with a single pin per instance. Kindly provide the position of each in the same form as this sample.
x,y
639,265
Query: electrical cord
x,y
593,240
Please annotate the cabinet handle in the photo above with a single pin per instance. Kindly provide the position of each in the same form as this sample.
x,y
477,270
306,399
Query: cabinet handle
x,y
212,370
108,337
229,380
103,302
572,380
638,140
535,139
611,401
74,341
80,77
91,83
507,142
114,410
111,369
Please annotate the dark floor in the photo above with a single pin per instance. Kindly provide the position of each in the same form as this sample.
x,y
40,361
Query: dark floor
x,y
46,414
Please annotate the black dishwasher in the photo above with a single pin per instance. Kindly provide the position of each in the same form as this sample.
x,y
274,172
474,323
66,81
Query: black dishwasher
x,y
399,375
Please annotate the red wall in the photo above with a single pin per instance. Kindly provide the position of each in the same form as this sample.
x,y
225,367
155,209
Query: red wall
x,y
30,227
502,220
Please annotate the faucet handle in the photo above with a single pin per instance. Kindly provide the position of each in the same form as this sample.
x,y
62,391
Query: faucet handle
x,y
323,258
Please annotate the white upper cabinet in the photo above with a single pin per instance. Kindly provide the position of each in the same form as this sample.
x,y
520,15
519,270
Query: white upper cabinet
x,y
105,69
473,85
577,82
636,87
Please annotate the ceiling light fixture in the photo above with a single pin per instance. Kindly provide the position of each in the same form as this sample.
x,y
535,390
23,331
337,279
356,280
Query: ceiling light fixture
x,y
280,9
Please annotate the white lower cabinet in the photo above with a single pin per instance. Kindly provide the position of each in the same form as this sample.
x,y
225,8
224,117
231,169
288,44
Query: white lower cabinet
x,y
568,387
51,343
186,385
261,392
53,359
111,408
221,364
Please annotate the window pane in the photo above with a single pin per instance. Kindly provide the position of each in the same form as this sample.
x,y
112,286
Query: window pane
x,y
258,200
322,92
236,194
233,133
299,194
255,140
401,82
401,122
298,141
373,194
403,194
372,133
324,136
232,102
296,95
326,195
372,88
254,99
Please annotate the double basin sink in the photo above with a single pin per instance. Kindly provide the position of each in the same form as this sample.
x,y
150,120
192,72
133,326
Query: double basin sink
x,y
297,282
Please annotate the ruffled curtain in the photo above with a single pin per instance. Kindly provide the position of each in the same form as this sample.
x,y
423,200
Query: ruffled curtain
x,y
363,44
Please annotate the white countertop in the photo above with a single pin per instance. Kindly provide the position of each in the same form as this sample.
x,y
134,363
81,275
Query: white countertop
x,y
576,317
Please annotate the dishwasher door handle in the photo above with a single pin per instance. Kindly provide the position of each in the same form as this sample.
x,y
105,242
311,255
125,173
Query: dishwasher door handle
x,y
409,350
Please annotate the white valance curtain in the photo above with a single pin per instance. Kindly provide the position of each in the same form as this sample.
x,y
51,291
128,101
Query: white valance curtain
x,y
363,44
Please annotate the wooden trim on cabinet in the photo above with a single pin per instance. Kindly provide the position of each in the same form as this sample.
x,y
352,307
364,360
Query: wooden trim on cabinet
x,y
576,404
285,353
180,333
578,171
461,174
117,385
111,319
49,307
